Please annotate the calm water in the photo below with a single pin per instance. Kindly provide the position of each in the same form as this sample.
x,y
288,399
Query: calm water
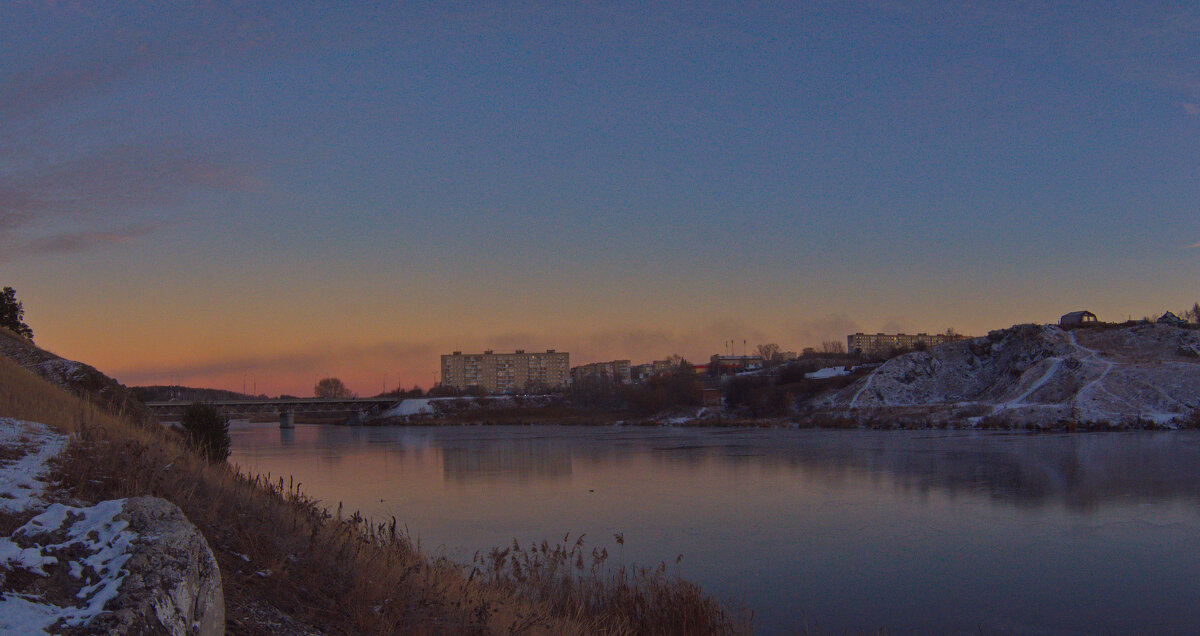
x,y
910,531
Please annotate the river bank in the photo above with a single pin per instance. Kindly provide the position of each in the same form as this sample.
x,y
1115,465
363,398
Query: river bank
x,y
289,564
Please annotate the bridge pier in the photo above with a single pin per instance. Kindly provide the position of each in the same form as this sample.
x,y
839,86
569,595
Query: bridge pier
x,y
287,419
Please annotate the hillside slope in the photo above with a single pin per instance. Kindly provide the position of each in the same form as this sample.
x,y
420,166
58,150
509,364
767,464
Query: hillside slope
x,y
1041,375
80,379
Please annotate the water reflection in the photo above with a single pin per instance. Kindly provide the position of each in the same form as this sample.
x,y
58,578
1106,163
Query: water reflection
x,y
926,531
1079,471
526,460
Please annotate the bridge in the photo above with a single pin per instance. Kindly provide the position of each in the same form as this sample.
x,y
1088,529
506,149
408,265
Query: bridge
x,y
353,408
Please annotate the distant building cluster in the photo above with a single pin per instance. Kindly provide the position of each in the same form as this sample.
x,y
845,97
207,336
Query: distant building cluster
x,y
881,344
506,372
726,365
523,371
613,371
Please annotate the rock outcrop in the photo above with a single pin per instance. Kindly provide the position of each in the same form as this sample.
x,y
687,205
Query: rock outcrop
x,y
76,377
1040,375
173,582
124,566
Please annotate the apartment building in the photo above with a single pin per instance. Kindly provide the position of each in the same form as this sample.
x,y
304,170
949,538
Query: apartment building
x,y
879,344
506,372
615,370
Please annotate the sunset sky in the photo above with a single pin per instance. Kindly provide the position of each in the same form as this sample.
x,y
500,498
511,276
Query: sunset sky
x,y
261,194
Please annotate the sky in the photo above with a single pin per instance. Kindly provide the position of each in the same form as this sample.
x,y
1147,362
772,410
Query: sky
x,y
260,194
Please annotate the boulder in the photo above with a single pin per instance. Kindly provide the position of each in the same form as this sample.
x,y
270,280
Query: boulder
x,y
173,585
124,566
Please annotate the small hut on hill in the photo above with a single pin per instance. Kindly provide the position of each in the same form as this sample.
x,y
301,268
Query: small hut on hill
x,y
1170,318
1077,319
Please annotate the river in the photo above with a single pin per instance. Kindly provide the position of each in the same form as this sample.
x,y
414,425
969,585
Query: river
x,y
910,531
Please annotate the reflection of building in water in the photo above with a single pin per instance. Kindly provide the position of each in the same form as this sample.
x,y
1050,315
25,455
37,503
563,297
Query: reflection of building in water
x,y
522,460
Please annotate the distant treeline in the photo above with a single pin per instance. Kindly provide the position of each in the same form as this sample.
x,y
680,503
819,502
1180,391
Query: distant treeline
x,y
159,393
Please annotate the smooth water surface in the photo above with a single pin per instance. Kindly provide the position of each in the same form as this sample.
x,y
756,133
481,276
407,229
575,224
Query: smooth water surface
x,y
941,531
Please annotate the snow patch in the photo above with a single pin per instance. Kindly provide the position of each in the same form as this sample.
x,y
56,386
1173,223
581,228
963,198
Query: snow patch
x,y
827,372
411,406
21,487
429,406
94,548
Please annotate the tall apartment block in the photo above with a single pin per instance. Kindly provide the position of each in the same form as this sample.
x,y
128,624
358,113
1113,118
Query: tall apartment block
x,y
615,370
506,372
883,343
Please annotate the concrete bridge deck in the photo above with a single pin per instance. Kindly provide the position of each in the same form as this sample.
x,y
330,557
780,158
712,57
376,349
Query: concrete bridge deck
x,y
354,408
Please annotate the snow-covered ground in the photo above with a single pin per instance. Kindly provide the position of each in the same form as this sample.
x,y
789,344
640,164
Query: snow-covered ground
x,y
430,406
21,484
88,544
411,406
1041,375
827,372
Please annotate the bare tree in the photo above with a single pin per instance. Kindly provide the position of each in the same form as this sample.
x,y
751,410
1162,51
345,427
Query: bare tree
x,y
331,388
768,352
833,346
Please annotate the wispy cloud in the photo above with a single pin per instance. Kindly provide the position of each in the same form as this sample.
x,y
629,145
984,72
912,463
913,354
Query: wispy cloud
x,y
68,242
1193,246
101,197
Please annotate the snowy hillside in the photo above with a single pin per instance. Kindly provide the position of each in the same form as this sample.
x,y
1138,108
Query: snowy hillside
x,y
1042,376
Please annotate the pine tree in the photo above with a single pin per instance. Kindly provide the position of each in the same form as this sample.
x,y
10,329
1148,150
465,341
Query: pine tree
x,y
12,313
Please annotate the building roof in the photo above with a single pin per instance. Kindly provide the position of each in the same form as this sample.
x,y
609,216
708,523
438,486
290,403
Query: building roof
x,y
1079,314
1170,318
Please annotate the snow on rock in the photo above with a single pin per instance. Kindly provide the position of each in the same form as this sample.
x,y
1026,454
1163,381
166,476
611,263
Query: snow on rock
x,y
1039,375
21,487
124,566
174,583
85,547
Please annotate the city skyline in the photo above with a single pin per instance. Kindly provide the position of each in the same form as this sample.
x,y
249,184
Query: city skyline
x,y
272,194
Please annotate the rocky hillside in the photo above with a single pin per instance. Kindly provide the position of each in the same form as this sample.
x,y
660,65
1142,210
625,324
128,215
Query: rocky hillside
x,y
1038,375
76,377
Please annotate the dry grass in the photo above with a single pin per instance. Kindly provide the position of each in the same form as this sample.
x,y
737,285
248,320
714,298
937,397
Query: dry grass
x,y
574,582
26,396
288,565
